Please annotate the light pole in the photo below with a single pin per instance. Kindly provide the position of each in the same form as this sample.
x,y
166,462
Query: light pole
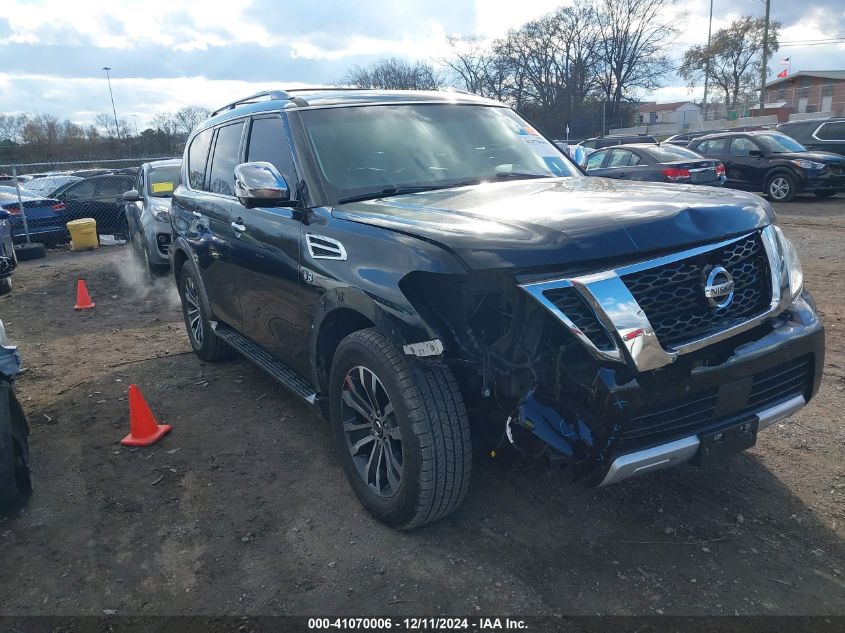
x,y
114,111
707,63
765,59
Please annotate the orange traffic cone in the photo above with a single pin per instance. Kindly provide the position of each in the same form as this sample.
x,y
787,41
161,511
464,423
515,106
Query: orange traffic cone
x,y
143,428
83,301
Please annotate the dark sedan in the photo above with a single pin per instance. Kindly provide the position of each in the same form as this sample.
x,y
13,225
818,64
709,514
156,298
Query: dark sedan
x,y
773,163
99,197
655,163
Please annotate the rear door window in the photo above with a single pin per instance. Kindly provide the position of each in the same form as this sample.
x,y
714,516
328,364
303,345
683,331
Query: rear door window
x,y
619,158
713,147
268,142
113,186
225,158
834,131
197,157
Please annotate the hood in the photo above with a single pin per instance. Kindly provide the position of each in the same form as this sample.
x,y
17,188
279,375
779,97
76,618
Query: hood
x,y
560,221
159,204
820,157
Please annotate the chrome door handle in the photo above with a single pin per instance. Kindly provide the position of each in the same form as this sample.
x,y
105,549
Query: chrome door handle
x,y
239,228
197,214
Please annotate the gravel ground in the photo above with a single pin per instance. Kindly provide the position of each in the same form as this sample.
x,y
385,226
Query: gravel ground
x,y
243,508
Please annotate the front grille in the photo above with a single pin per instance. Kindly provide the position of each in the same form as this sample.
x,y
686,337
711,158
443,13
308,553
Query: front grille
x,y
694,413
569,301
672,296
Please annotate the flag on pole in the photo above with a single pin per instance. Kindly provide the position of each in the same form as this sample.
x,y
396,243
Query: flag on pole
x,y
785,61
782,74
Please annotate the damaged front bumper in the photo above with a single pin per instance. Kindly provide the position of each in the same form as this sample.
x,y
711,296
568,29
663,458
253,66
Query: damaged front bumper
x,y
696,411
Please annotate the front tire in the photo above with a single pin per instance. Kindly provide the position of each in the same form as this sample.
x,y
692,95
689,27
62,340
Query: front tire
x,y
401,430
781,187
5,286
205,343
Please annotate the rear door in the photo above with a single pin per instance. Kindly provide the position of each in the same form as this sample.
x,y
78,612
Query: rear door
x,y
717,149
267,255
202,214
619,164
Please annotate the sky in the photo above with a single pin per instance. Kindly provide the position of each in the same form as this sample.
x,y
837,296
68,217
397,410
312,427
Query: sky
x,y
166,54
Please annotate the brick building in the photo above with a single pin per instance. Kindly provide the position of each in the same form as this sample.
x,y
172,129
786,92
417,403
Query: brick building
x,y
807,91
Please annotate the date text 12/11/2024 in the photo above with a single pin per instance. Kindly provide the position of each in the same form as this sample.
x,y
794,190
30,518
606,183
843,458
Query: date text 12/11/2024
x,y
418,624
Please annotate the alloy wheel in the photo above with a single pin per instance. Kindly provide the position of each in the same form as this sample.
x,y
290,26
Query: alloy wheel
x,y
192,309
372,431
779,188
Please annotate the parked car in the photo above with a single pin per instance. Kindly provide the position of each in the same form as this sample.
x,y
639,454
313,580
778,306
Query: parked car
x,y
148,213
423,267
8,261
99,197
684,139
45,217
818,135
15,481
600,142
656,163
773,163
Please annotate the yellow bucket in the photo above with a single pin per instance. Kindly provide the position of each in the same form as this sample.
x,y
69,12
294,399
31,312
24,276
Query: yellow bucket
x,y
83,234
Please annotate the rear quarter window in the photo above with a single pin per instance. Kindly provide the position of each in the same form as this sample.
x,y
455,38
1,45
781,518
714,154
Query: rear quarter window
x,y
197,158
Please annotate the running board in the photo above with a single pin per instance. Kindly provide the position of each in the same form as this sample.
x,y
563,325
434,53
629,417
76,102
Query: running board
x,y
288,376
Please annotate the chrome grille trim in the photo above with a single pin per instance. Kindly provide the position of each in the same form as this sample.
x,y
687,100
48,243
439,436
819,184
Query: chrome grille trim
x,y
618,311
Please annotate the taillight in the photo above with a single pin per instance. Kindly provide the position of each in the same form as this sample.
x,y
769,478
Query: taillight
x,y
720,169
58,207
674,174
13,210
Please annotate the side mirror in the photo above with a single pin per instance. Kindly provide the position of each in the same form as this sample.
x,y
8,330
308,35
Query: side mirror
x,y
4,215
261,184
131,196
755,152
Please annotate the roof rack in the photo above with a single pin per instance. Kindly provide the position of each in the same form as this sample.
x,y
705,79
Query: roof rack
x,y
274,95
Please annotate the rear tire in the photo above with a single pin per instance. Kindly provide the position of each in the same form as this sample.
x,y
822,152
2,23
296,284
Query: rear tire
x,y
419,428
781,187
826,194
28,252
205,343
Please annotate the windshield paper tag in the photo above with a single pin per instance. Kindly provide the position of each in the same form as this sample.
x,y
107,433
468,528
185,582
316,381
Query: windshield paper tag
x,y
162,187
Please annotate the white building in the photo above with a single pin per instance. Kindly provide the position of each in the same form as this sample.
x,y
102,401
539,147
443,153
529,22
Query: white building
x,y
679,112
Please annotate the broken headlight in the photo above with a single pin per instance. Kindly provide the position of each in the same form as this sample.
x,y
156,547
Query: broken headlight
x,y
791,263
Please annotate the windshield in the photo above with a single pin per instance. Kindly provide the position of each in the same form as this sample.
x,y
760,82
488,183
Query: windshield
x,y
46,186
162,181
378,150
670,153
779,143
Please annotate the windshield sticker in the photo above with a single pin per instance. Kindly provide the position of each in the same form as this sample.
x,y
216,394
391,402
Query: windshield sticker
x,y
162,187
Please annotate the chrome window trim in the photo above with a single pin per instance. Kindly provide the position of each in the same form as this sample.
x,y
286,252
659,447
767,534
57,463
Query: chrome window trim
x,y
630,331
828,140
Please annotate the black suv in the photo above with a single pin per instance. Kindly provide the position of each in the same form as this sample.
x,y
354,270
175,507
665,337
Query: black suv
x,y
826,135
773,163
438,279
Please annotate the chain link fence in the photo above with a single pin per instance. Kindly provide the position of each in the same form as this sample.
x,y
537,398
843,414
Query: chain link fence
x,y
41,198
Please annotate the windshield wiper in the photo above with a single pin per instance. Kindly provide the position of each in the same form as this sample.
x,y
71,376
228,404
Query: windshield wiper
x,y
398,191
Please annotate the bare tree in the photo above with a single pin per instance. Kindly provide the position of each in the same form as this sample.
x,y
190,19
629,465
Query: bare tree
x,y
474,67
189,117
394,74
635,35
10,126
736,57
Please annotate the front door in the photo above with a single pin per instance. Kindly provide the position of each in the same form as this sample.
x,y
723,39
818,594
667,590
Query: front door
x,y
266,255
748,169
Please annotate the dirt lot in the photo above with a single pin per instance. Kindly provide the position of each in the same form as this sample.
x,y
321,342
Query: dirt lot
x,y
244,509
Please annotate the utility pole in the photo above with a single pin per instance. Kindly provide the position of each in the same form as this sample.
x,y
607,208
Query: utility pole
x,y
707,64
765,59
114,111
